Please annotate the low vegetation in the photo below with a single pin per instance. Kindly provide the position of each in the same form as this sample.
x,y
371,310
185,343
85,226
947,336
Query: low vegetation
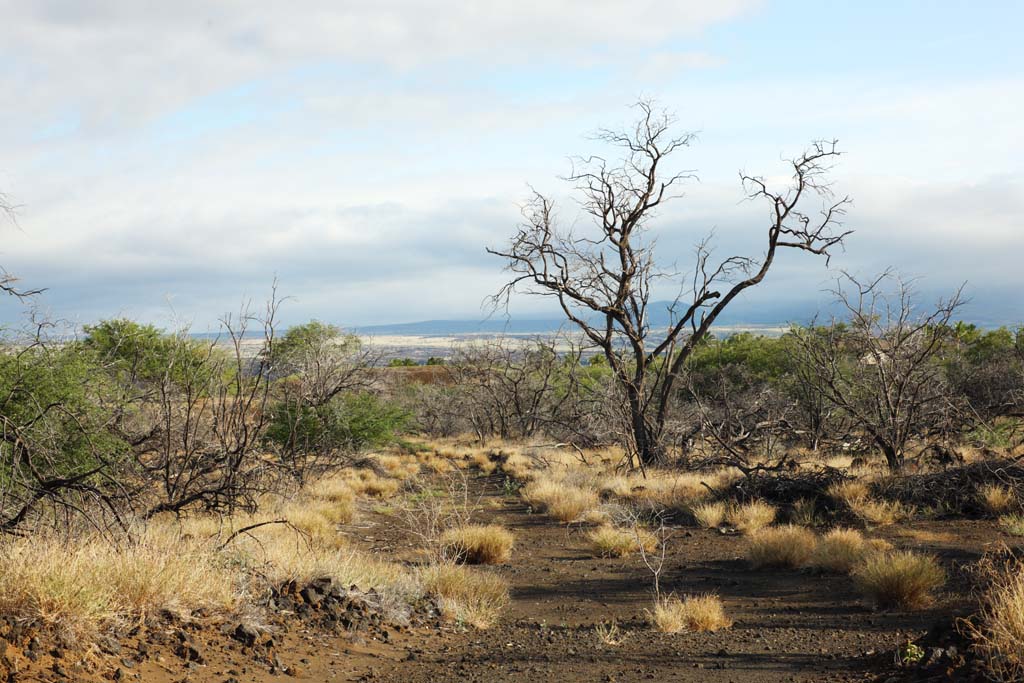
x,y
900,578
612,541
672,614
477,544
750,517
465,595
781,546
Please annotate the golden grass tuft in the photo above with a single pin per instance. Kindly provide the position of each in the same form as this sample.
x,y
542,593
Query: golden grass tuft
x,y
477,544
399,466
483,462
840,550
899,579
565,502
782,546
91,583
857,496
668,490
847,491
368,483
751,516
879,512
611,541
465,595
709,515
1012,524
996,499
805,513
999,633
689,613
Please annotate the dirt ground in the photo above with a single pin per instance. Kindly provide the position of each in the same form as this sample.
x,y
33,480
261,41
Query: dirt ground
x,y
789,625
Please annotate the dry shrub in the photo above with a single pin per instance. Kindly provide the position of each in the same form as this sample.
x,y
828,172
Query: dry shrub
x,y
783,546
477,544
464,595
996,499
751,516
690,613
91,583
565,502
709,515
840,550
611,541
998,634
899,579
1012,524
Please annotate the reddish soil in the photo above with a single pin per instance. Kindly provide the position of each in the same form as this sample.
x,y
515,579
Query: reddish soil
x,y
789,625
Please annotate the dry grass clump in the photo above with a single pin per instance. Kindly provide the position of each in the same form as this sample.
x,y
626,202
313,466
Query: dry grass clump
x,y
847,491
91,583
782,546
483,462
690,613
709,515
805,513
668,490
879,512
751,516
1012,524
518,466
398,466
563,501
369,483
899,579
996,499
477,544
464,595
857,496
840,550
611,541
999,633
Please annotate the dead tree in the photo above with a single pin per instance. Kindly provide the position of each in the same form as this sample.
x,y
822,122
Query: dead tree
x,y
515,389
211,410
7,281
603,279
881,367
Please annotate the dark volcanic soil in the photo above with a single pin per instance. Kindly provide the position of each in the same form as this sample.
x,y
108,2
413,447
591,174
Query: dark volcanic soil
x,y
789,625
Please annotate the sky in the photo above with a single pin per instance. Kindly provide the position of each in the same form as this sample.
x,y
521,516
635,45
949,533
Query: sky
x,y
169,160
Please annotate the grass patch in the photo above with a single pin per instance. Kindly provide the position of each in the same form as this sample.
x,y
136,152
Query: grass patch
x,y
996,499
999,633
782,546
465,595
690,613
1012,524
611,541
709,515
477,544
899,579
751,516
565,502
841,550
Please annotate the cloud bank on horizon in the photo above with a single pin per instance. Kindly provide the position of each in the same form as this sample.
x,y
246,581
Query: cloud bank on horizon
x,y
172,158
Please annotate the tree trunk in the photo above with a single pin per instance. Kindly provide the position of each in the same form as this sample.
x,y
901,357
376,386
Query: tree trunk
x,y
893,457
